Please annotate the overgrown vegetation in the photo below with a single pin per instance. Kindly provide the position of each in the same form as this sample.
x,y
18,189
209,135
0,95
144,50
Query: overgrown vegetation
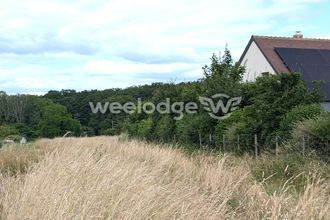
x,y
111,178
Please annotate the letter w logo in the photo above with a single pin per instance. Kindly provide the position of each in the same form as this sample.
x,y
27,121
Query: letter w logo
x,y
99,108
213,109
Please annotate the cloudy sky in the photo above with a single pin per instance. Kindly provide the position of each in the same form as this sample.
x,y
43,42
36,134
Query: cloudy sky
x,y
84,44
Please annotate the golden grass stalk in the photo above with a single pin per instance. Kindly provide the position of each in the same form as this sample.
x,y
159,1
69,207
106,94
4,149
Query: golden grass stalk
x,y
105,178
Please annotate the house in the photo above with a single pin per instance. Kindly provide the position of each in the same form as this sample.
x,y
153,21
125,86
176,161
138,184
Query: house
x,y
274,55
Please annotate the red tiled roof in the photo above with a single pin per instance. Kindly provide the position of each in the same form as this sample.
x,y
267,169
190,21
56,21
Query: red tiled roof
x,y
267,46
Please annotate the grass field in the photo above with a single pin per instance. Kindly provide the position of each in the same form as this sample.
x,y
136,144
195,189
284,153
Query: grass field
x,y
110,178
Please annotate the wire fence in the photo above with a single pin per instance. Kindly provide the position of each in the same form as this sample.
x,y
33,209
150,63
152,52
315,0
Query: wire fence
x,y
255,144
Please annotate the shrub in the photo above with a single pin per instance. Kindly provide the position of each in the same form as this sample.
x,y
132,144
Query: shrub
x,y
27,131
6,130
109,131
238,124
235,138
316,134
224,124
298,114
191,126
164,130
87,131
144,128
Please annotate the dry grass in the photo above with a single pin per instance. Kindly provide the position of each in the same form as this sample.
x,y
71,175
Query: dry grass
x,y
16,159
104,178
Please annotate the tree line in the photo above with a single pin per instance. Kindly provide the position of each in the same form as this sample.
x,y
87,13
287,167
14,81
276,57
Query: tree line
x,y
273,105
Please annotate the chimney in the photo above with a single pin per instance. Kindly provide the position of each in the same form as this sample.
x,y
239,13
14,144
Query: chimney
x,y
298,35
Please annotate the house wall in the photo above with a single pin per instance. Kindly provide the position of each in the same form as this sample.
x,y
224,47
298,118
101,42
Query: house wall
x,y
255,63
326,106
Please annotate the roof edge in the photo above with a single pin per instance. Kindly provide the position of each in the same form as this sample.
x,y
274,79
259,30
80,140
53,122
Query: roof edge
x,y
291,38
246,49
252,39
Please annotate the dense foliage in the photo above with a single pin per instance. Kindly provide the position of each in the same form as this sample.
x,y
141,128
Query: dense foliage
x,y
271,106
33,116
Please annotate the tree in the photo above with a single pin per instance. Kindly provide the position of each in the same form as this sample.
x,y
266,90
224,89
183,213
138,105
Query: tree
x,y
56,121
6,130
268,101
222,76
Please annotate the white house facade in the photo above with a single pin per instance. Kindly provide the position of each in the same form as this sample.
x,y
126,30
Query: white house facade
x,y
255,63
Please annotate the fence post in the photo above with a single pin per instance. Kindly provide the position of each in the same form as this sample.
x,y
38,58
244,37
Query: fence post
x,y
276,146
238,147
200,139
223,143
255,145
210,139
303,145
174,139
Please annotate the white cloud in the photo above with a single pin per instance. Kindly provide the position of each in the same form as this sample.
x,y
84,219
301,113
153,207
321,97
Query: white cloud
x,y
58,44
127,67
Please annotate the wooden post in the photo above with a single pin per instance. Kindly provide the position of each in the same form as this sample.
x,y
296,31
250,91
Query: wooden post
x,y
303,145
223,143
238,147
276,145
174,139
200,139
255,145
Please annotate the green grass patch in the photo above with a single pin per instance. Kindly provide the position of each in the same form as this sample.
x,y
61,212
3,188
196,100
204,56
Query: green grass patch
x,y
288,172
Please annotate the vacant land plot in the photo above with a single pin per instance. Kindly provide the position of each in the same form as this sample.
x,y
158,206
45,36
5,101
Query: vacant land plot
x,y
106,178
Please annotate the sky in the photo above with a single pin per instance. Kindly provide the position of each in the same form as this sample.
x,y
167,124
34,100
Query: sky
x,y
82,44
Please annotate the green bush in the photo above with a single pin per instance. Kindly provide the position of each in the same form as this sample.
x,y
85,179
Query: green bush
x,y
109,131
6,130
164,130
191,126
316,135
87,131
235,138
238,124
296,115
187,129
27,131
145,128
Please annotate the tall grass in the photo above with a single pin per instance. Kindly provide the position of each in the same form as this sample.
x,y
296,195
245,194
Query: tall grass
x,y
16,159
105,178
